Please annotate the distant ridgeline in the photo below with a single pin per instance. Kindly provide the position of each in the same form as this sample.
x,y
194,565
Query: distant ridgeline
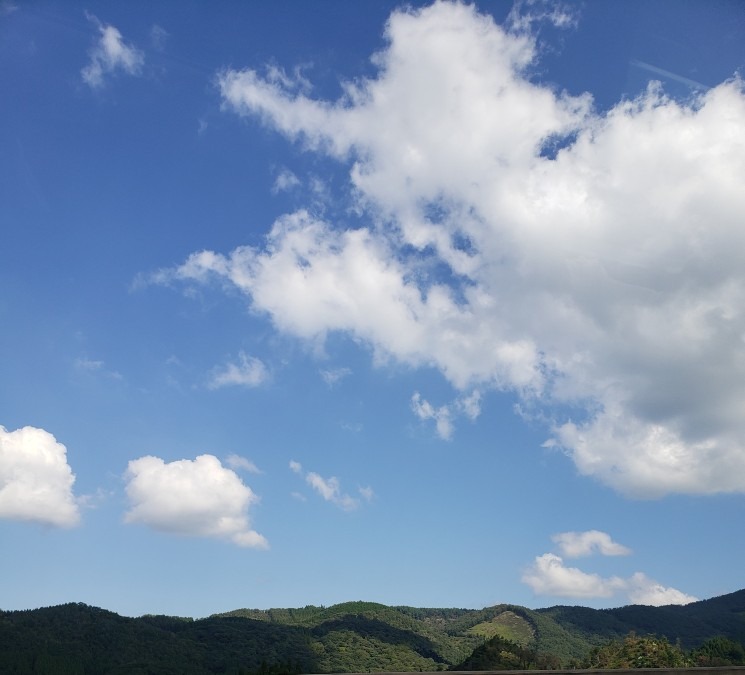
x,y
357,637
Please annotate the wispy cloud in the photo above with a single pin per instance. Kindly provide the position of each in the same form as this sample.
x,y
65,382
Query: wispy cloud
x,y
242,464
579,544
333,376
7,7
87,365
158,37
693,84
443,416
330,489
110,54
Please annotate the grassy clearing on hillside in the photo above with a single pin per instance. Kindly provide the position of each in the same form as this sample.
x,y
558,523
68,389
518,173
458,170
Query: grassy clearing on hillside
x,y
507,625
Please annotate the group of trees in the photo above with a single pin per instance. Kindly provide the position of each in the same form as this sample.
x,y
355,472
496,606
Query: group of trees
x,y
633,651
657,652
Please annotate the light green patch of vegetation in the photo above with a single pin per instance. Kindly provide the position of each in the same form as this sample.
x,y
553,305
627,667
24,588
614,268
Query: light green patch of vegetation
x,y
508,625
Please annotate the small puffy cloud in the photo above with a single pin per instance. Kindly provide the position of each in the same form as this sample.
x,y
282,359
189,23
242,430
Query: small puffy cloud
x,y
296,467
241,463
579,544
549,575
109,54
247,372
196,497
35,479
286,180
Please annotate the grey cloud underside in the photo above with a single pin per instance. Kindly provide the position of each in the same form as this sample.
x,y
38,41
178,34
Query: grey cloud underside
x,y
606,276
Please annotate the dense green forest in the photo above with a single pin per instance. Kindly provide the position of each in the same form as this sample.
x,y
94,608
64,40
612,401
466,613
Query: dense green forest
x,y
76,639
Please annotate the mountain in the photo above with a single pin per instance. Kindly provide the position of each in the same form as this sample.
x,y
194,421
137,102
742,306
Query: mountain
x,y
690,624
76,639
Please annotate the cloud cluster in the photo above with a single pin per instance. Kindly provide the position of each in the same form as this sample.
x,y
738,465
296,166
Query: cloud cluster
x,y
443,416
109,54
518,239
196,497
330,489
549,575
35,479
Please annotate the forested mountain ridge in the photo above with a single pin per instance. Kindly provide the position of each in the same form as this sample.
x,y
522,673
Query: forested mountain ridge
x,y
691,624
349,637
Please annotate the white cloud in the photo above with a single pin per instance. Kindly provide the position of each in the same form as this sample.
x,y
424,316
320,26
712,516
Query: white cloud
x,y
646,591
35,479
241,463
109,54
330,489
594,257
525,13
470,406
579,544
424,410
196,497
248,372
548,575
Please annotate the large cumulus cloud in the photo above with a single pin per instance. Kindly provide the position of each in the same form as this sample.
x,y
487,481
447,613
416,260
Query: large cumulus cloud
x,y
197,497
518,239
35,479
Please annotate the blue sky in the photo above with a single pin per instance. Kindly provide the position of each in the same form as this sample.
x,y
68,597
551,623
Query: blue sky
x,y
312,302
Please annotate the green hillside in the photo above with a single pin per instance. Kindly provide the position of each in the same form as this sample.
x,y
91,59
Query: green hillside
x,y
77,639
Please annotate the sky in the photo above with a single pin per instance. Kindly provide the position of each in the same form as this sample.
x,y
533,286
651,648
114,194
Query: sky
x,y
437,305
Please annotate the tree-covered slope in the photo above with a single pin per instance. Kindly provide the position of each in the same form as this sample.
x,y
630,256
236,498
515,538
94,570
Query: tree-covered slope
x,y
77,639
690,624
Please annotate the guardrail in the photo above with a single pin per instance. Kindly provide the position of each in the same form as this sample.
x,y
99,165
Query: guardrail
x,y
719,670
